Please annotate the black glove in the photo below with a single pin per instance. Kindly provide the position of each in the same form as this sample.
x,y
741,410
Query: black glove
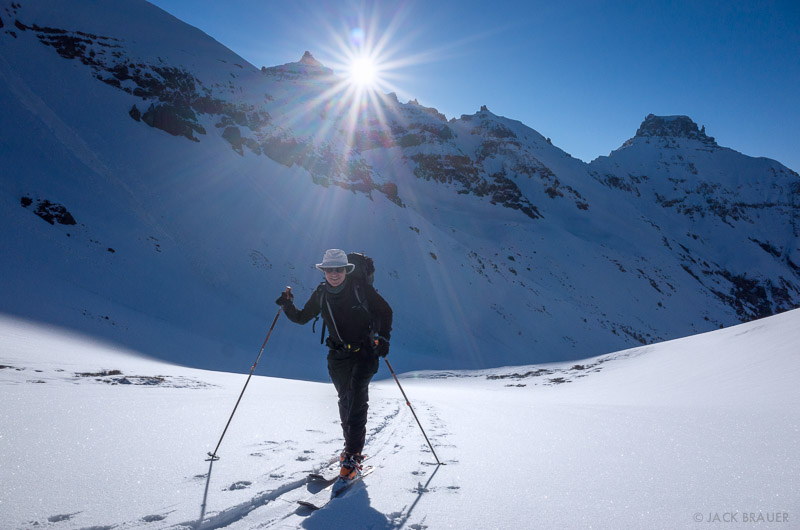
x,y
382,349
285,299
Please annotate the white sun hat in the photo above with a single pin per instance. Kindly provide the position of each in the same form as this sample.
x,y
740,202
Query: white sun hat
x,y
334,258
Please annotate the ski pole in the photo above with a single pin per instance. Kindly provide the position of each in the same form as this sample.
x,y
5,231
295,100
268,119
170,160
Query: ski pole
x,y
213,455
412,411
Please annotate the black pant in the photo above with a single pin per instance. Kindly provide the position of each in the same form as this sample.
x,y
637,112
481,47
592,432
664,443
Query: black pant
x,y
351,373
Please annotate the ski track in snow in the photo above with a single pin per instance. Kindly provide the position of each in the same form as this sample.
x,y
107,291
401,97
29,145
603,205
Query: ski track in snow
x,y
278,508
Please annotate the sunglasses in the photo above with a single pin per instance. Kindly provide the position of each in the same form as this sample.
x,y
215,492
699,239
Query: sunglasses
x,y
336,269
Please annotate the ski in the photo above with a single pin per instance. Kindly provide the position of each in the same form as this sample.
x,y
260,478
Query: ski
x,y
319,478
335,489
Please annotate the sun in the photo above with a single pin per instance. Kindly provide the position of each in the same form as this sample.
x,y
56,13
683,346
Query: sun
x,y
364,60
363,72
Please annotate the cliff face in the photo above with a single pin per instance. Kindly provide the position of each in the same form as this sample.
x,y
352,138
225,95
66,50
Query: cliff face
x,y
673,127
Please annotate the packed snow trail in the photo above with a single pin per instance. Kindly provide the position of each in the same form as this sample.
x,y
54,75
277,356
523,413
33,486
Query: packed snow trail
x,y
278,508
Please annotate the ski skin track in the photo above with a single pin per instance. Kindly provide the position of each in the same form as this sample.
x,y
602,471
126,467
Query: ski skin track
x,y
237,513
241,512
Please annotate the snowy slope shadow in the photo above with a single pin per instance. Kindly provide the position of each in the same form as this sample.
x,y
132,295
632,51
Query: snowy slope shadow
x,y
343,515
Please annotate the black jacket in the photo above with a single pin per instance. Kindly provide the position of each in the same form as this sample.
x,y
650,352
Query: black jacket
x,y
351,321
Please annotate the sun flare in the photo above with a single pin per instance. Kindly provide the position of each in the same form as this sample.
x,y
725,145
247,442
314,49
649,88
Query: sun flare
x,y
364,72
364,61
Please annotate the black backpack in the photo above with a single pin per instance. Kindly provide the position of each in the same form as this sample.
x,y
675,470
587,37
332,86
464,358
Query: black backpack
x,y
365,268
363,274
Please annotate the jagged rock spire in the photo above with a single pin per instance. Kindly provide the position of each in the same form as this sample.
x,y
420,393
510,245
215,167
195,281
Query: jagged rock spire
x,y
309,59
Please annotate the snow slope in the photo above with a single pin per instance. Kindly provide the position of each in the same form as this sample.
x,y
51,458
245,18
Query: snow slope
x,y
200,186
681,434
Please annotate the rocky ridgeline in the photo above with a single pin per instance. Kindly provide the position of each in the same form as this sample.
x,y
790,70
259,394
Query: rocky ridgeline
x,y
173,99
174,96
500,142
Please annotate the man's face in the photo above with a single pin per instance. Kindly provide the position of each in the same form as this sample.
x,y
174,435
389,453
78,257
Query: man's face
x,y
335,276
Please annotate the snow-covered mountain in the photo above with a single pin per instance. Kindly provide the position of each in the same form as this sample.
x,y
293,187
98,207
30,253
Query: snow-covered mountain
x,y
686,434
159,191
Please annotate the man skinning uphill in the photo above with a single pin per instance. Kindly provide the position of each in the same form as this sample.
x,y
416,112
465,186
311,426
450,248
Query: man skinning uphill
x,y
359,323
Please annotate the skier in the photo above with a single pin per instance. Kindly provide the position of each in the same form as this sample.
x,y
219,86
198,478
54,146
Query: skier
x,y
359,323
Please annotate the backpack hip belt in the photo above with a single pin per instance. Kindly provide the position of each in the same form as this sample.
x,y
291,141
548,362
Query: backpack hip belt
x,y
342,346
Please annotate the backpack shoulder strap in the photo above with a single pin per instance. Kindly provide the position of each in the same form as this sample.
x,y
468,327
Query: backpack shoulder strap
x,y
320,292
361,297
360,290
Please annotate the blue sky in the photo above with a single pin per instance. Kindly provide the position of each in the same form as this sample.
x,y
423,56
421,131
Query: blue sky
x,y
583,73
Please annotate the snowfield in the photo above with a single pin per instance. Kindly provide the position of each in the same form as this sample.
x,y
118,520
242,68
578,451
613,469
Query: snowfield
x,y
691,433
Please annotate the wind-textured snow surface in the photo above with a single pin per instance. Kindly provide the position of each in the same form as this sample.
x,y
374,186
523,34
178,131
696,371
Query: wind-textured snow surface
x,y
682,434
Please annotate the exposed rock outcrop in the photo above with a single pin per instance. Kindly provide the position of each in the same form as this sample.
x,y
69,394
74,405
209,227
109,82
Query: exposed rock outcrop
x,y
52,212
673,126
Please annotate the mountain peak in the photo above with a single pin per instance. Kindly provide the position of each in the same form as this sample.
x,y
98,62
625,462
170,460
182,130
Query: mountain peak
x,y
672,126
306,67
309,60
